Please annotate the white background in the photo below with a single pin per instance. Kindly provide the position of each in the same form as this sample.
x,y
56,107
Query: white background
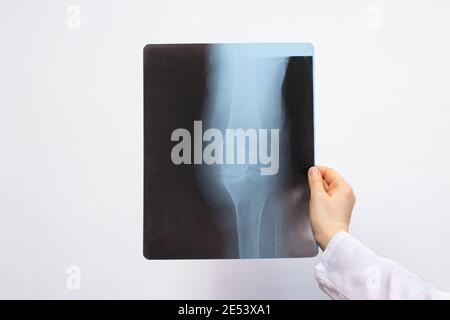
x,y
71,136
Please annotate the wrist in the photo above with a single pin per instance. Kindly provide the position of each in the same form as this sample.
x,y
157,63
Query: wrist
x,y
324,238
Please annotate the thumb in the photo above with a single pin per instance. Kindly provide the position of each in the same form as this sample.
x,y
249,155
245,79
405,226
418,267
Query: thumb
x,y
315,181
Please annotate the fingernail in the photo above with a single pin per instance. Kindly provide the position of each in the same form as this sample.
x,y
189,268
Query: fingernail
x,y
313,171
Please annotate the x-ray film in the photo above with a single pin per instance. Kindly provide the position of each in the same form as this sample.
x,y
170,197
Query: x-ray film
x,y
228,140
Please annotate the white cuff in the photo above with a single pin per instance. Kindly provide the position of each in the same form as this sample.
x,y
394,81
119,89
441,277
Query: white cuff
x,y
335,240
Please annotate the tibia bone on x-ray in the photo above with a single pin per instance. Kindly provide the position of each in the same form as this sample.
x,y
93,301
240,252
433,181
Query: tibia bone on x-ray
x,y
245,94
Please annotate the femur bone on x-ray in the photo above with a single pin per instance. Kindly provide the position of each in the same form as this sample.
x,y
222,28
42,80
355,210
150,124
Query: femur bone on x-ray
x,y
228,140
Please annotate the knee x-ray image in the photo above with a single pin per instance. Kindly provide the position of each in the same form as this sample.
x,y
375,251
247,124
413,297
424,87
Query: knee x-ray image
x,y
228,140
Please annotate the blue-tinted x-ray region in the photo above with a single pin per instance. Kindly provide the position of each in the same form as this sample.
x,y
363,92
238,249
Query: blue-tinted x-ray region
x,y
245,91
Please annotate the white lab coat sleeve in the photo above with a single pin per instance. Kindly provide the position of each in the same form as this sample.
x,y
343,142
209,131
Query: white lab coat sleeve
x,y
350,270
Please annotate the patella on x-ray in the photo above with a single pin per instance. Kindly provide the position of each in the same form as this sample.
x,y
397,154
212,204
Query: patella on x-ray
x,y
228,140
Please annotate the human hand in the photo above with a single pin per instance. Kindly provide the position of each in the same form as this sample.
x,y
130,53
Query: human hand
x,y
331,203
